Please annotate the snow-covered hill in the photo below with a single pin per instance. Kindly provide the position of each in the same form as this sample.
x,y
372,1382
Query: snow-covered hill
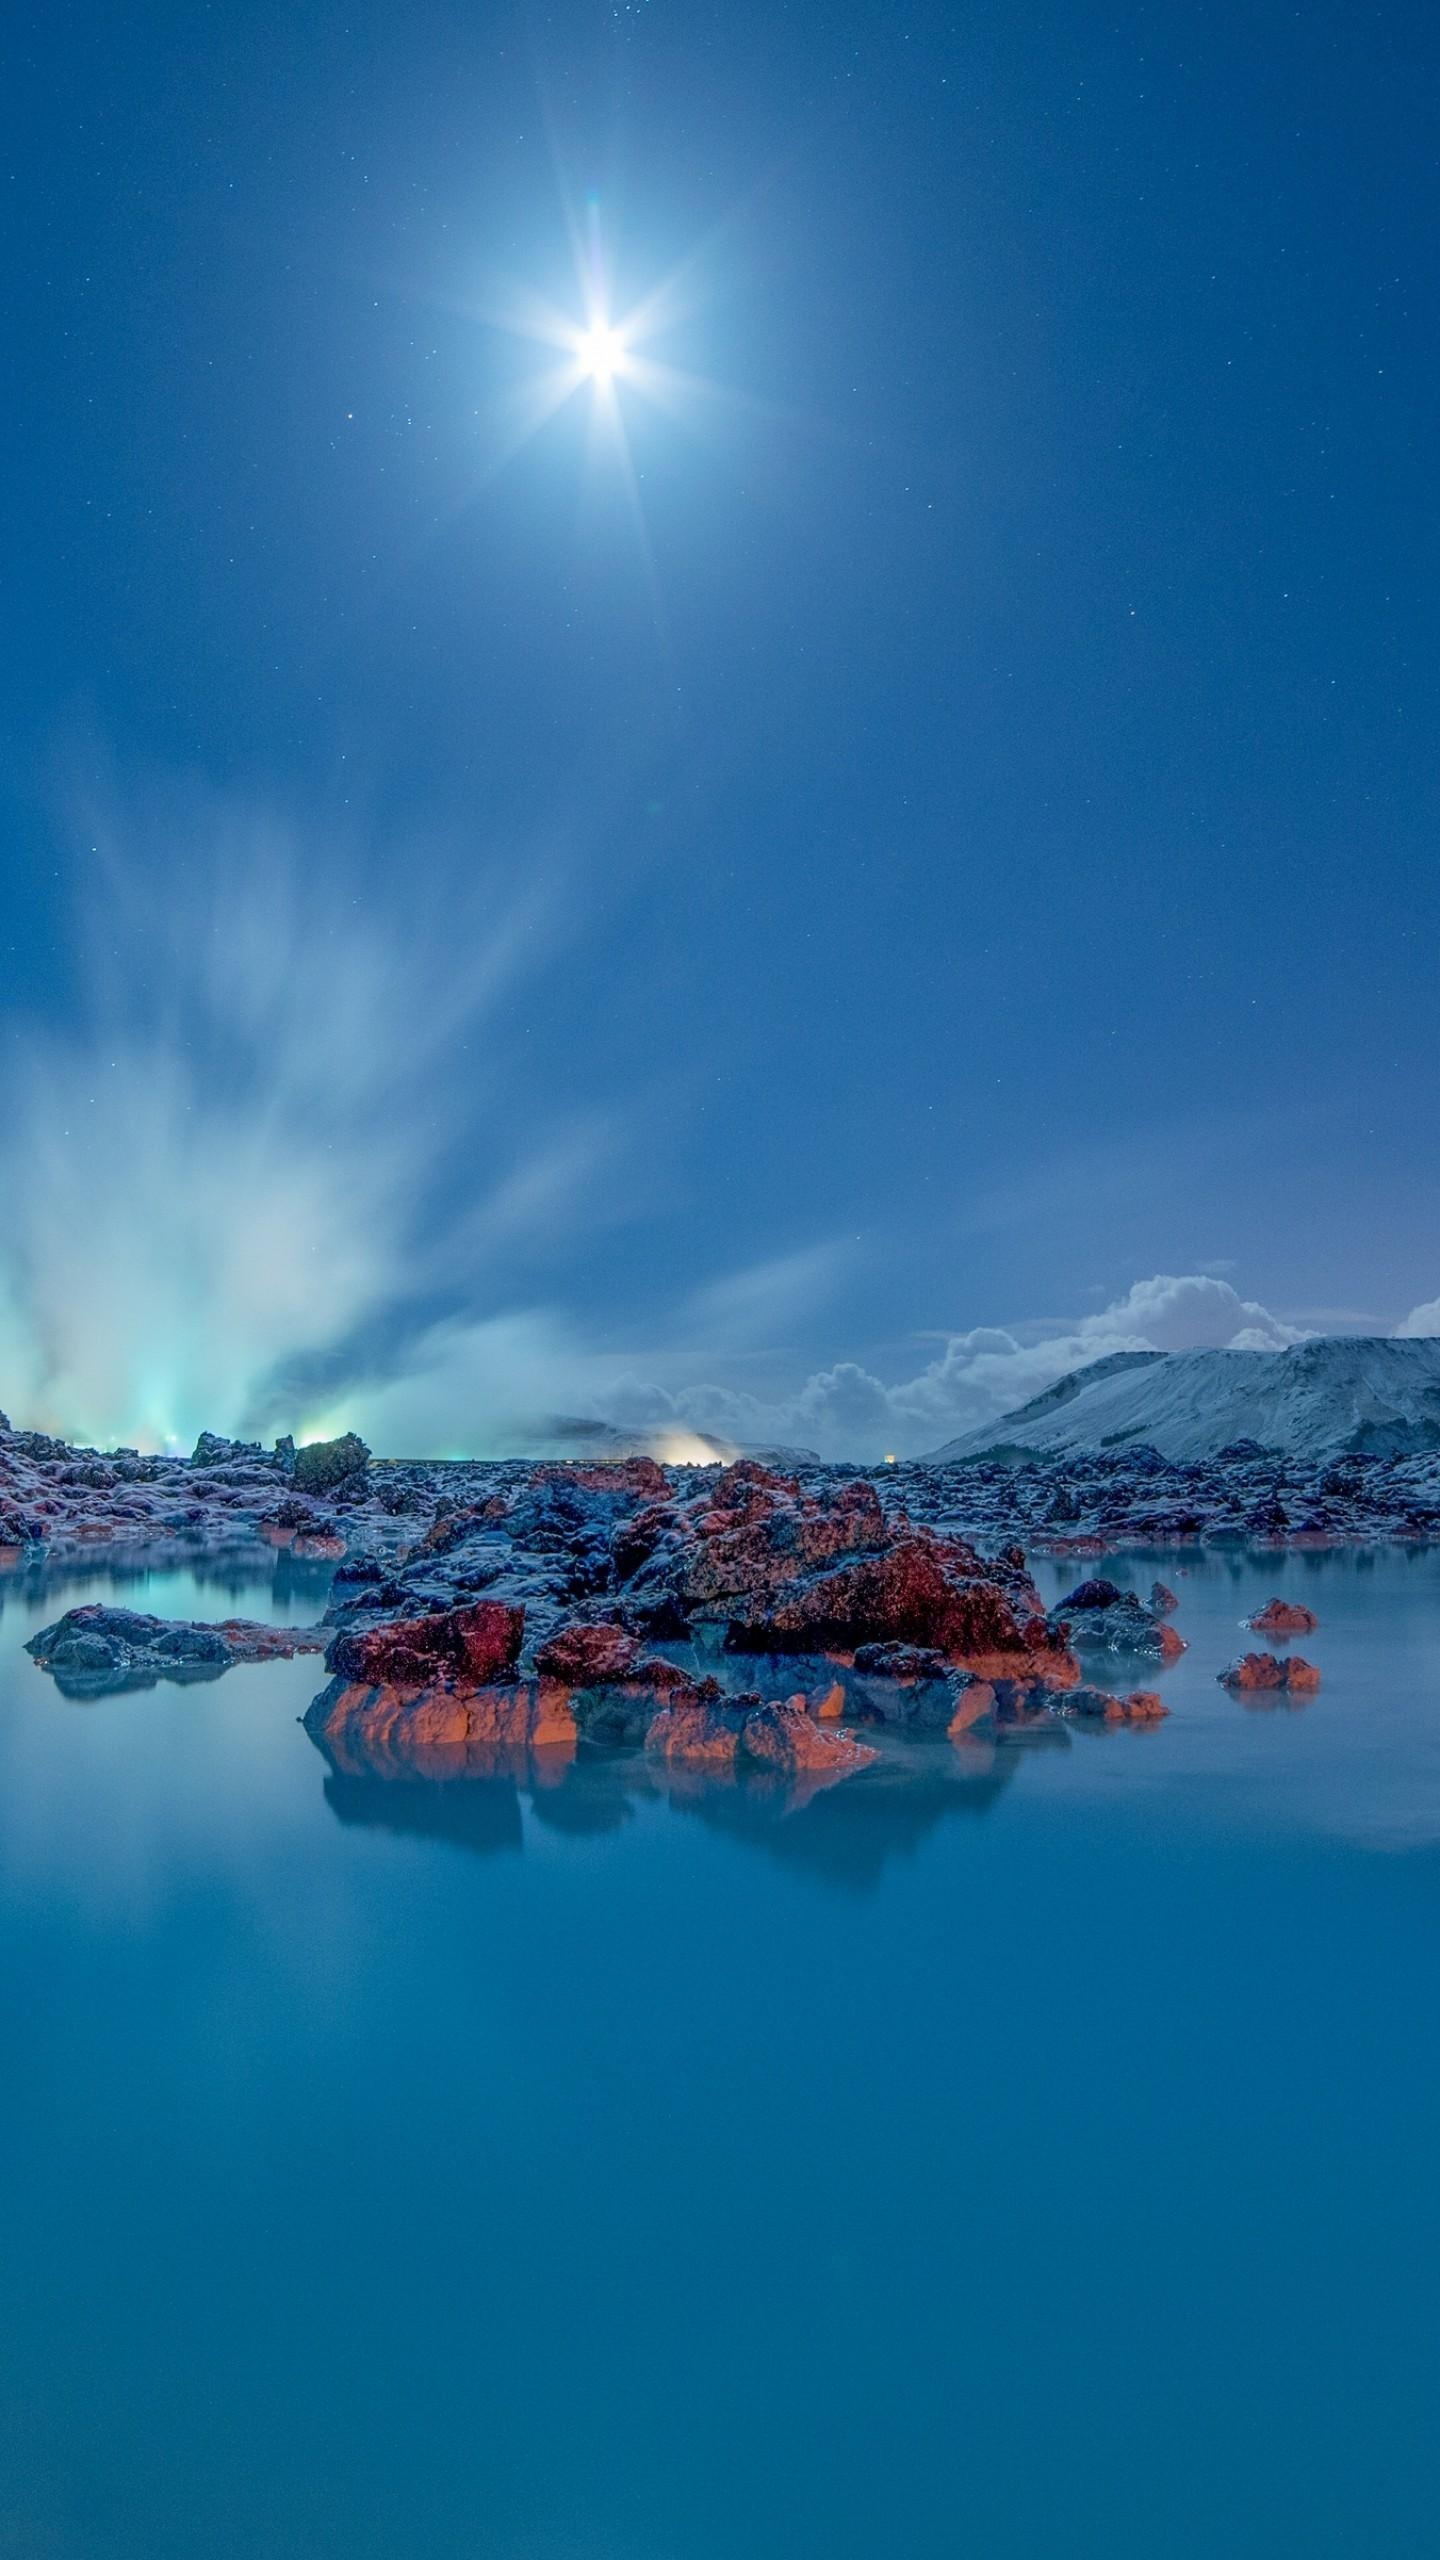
x,y
1320,1399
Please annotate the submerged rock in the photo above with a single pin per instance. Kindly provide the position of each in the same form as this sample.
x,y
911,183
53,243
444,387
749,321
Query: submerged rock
x,y
1098,1706
717,1732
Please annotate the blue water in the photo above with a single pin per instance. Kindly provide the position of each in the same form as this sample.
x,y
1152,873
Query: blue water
x,y
1026,2152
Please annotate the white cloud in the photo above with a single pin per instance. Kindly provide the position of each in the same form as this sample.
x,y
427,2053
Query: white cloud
x,y
763,1301
1420,1320
845,1411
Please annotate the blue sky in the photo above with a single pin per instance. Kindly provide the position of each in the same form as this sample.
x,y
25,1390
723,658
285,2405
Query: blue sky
x,y
931,829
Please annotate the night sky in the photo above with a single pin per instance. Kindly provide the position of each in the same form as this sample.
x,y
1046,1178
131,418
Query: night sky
x,y
922,828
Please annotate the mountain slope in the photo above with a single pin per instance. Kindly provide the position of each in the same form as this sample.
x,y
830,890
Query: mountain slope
x,y
1324,1398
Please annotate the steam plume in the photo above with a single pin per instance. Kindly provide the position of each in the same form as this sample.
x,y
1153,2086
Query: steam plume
x,y
231,1173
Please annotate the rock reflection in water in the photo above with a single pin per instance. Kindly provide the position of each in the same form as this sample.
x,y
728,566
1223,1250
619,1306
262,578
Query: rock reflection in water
x,y
469,1769
239,1572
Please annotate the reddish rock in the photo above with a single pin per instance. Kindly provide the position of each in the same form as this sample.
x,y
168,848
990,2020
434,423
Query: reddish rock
x,y
1303,1674
975,1706
1171,1645
470,1645
723,1733
703,1732
922,1591
1162,1598
1266,1671
901,1661
1007,1705
1284,1618
1143,1706
783,1735
615,1686
757,1532
643,1479
450,1528
249,1641
586,1656
369,1731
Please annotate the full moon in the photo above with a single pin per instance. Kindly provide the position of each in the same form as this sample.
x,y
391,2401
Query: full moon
x,y
601,352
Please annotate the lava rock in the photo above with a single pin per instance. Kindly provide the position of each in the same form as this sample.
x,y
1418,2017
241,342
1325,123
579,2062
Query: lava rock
x,y
920,1591
213,1450
1259,1671
96,1649
901,1661
1283,1618
472,1645
589,1655
1098,1706
1095,1594
440,1732
1118,1624
323,1464
721,1733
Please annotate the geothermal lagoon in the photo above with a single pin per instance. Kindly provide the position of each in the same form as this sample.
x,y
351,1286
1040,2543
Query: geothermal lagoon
x,y
1026,2145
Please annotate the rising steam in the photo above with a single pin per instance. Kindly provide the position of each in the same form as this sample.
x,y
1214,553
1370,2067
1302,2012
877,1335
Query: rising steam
x,y
231,1175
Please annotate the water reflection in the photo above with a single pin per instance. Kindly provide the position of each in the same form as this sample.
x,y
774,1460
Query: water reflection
x,y
1363,1761
273,1581
843,1832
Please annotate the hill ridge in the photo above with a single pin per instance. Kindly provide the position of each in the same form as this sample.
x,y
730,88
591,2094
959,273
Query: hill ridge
x,y
1332,1395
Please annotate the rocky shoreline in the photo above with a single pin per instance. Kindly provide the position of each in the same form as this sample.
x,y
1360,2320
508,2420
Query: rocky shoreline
x,y
728,1619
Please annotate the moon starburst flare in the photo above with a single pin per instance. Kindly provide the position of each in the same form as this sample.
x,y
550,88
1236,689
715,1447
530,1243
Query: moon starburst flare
x,y
600,345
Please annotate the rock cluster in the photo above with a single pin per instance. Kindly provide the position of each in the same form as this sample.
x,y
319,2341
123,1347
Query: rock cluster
x,y
57,1499
96,1649
482,1608
1247,1496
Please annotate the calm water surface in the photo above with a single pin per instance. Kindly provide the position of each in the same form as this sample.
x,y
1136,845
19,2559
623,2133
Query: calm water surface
x,y
1031,2151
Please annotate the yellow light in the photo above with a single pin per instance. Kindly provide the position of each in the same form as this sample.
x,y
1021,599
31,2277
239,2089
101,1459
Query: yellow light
x,y
684,1449
600,352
